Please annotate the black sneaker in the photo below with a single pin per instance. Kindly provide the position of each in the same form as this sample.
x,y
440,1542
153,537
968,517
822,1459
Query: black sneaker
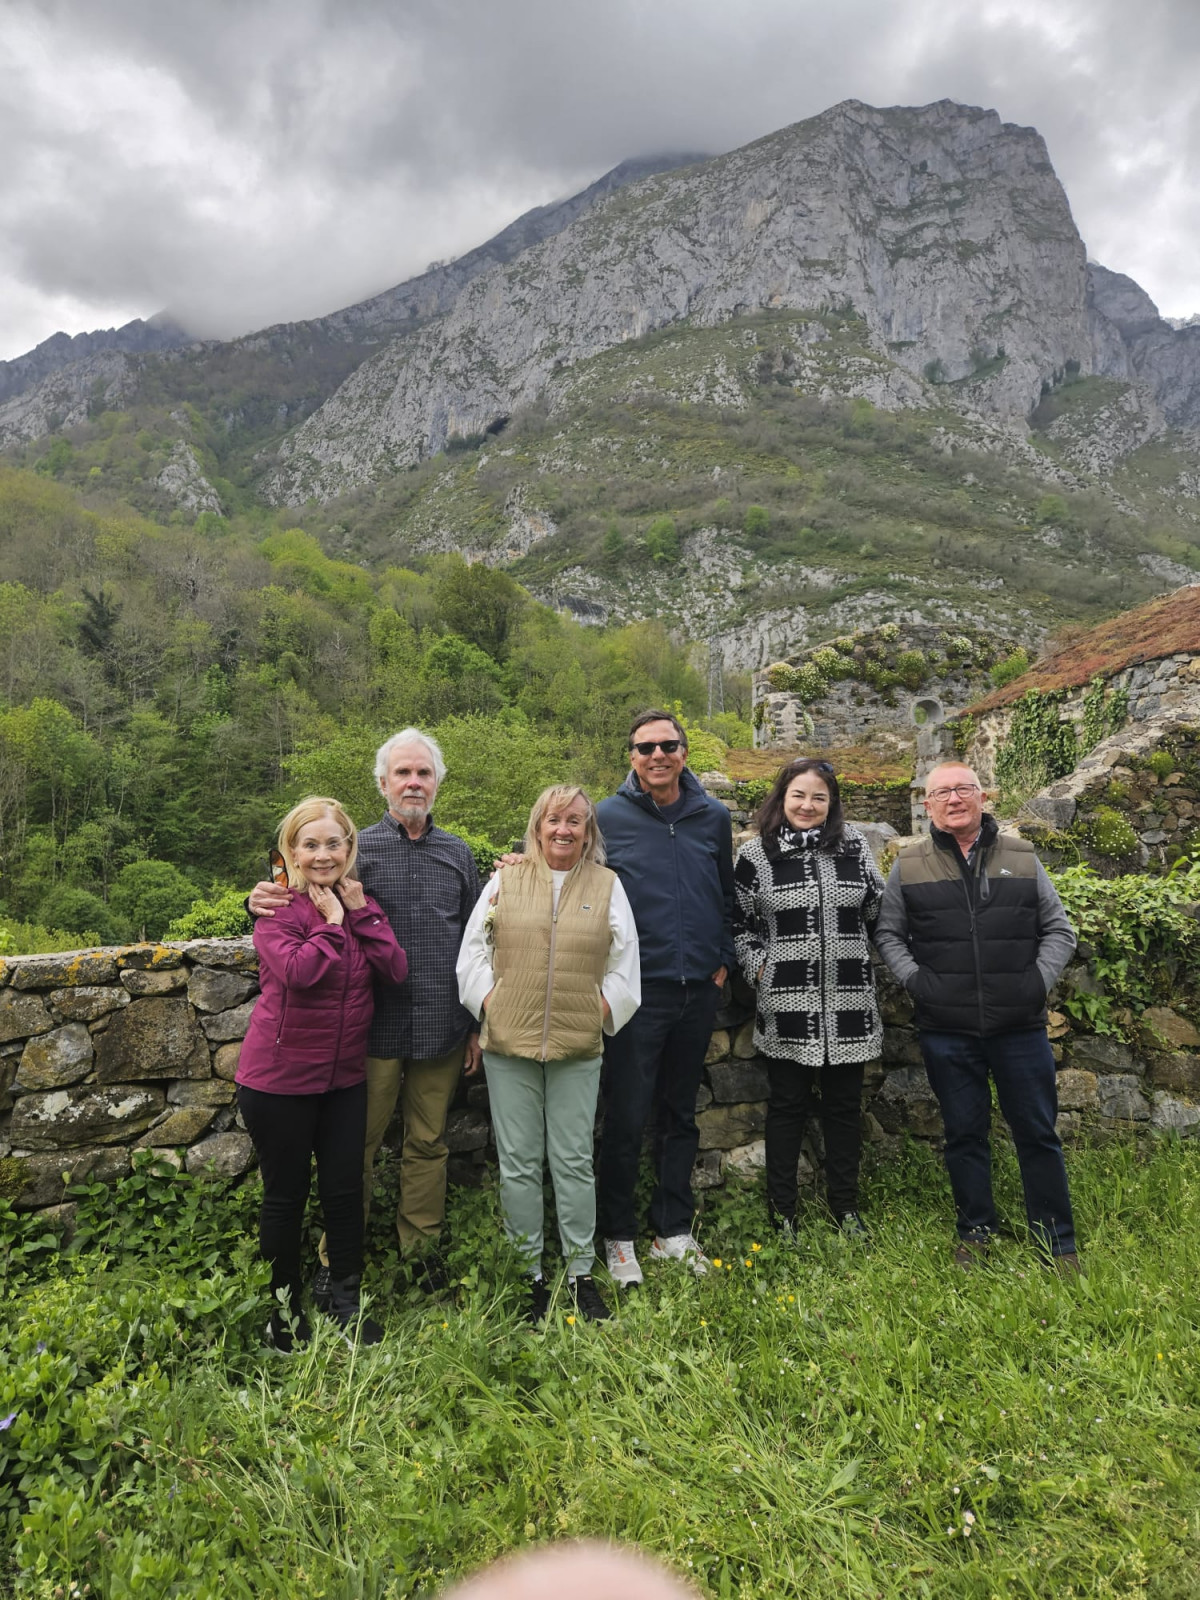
x,y
285,1331
538,1302
852,1226
429,1274
320,1289
345,1308
589,1302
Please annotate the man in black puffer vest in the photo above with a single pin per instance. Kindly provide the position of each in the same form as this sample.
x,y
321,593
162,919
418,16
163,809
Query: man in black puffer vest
x,y
974,930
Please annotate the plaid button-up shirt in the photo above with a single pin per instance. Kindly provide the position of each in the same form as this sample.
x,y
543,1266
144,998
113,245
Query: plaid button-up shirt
x,y
428,888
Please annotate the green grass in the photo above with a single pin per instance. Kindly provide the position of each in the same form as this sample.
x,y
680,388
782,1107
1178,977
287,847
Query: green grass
x,y
808,1420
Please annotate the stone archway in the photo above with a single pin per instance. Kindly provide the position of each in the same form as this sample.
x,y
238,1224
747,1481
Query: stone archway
x,y
927,712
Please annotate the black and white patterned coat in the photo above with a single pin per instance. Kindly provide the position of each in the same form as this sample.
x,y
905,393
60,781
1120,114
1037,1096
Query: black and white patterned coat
x,y
803,916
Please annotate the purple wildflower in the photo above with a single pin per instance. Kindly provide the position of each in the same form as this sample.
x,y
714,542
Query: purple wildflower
x,y
8,1421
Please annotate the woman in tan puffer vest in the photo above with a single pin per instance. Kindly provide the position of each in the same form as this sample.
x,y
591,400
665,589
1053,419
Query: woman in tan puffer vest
x,y
549,962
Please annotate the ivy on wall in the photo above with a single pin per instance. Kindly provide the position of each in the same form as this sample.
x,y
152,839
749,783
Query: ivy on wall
x,y
1040,745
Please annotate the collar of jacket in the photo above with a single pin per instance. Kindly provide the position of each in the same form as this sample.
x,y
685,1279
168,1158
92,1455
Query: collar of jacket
x,y
690,789
989,832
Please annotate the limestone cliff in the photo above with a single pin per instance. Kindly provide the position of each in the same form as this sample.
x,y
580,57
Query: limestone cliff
x,y
944,227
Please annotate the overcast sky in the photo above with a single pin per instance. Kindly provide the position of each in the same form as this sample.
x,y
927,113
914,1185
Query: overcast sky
x,y
242,162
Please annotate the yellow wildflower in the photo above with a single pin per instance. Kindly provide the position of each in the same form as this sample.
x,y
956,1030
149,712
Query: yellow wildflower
x,y
717,1262
756,1247
570,1322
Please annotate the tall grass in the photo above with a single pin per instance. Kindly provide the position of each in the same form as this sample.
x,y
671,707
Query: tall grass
x,y
810,1419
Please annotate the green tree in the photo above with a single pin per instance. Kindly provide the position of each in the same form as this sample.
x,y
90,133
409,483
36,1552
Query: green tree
x,y
478,602
757,521
495,769
662,540
77,911
149,894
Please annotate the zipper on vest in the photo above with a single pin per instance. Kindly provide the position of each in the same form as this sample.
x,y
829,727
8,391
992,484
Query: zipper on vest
x,y
550,979
975,938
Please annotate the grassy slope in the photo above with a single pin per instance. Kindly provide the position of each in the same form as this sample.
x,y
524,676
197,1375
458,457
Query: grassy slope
x,y
870,511
808,1420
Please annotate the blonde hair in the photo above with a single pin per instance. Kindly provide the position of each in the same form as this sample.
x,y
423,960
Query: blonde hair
x,y
301,814
561,794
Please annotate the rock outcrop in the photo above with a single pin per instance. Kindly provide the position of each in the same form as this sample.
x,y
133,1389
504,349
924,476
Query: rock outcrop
x,y
944,227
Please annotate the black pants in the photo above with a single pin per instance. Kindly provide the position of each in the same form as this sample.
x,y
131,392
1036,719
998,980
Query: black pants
x,y
789,1106
655,1063
1022,1065
288,1130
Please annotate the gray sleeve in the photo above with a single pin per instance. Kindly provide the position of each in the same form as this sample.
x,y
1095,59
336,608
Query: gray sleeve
x,y
1056,941
891,930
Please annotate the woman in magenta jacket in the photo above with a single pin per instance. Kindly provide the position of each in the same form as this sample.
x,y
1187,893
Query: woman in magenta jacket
x,y
302,1075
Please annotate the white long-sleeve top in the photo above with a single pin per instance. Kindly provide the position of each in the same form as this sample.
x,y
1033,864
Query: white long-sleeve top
x,y
622,982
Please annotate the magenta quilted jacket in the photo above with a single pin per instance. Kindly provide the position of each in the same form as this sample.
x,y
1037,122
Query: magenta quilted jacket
x,y
308,1032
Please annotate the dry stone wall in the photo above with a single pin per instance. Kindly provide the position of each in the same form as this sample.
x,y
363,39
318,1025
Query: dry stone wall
x,y
105,1052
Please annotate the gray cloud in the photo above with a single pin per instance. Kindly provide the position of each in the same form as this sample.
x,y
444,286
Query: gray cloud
x,y
245,163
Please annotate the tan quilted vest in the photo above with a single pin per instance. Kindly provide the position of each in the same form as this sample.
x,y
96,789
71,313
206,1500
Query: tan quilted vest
x,y
546,1003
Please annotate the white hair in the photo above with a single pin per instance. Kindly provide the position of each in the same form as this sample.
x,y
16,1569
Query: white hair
x,y
409,736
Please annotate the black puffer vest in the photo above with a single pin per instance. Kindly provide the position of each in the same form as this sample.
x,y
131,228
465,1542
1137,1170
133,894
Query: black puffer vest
x,y
974,930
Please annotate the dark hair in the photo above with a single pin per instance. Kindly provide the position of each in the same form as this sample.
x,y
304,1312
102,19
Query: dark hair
x,y
770,818
643,717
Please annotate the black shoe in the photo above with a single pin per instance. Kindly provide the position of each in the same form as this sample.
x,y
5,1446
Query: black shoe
x,y
345,1308
429,1274
589,1302
320,1289
538,1303
286,1330
852,1226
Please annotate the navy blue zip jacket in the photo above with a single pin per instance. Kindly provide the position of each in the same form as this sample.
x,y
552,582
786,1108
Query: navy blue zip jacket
x,y
678,876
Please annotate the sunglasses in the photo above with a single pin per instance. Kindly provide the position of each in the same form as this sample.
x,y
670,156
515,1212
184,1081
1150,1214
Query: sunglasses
x,y
647,747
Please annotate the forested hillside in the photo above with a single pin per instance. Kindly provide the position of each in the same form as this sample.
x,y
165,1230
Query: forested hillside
x,y
165,691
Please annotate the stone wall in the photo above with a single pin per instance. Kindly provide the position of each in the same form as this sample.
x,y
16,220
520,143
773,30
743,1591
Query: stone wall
x,y
1161,693
877,686
104,1052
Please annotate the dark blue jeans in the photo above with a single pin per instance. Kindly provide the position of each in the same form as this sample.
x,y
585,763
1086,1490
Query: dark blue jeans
x,y
655,1063
958,1065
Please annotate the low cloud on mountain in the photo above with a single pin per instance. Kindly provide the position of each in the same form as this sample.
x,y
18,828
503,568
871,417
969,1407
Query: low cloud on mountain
x,y
278,158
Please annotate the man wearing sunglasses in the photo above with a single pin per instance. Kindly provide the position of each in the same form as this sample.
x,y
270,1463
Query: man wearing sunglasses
x,y
974,930
672,848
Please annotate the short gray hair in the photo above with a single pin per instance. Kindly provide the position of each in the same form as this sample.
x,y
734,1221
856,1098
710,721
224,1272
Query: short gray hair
x,y
409,736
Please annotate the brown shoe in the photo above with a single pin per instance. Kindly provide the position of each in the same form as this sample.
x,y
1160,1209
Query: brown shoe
x,y
1067,1265
971,1253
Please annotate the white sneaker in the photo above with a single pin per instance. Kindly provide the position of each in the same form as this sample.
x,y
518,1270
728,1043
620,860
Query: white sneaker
x,y
680,1247
623,1266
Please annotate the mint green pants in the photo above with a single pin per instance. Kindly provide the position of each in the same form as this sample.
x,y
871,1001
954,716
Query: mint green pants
x,y
546,1109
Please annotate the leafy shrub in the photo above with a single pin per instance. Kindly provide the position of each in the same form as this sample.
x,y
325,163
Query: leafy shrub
x,y
889,631
911,668
1013,666
222,916
149,894
82,913
1110,833
662,540
1139,937
485,852
1161,764
757,521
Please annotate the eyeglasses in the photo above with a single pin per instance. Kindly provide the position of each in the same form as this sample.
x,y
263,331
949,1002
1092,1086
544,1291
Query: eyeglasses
x,y
963,790
647,747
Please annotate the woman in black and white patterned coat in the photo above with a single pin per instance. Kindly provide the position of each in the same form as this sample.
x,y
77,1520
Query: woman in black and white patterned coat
x,y
808,893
